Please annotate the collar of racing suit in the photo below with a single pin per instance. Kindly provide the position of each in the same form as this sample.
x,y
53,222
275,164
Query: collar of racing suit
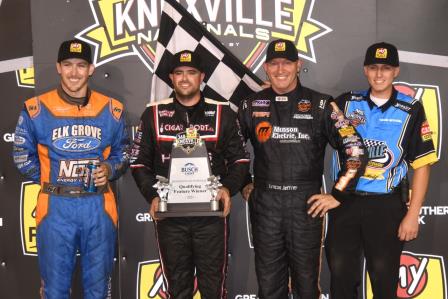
x,y
72,100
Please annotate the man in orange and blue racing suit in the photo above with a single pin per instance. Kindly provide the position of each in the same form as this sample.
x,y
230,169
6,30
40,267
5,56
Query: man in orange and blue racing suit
x,y
58,133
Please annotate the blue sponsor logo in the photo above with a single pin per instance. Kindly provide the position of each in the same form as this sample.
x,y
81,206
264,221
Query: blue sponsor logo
x,y
76,144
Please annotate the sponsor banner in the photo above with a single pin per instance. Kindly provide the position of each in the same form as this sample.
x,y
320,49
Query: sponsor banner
x,y
150,282
431,212
28,201
422,276
121,28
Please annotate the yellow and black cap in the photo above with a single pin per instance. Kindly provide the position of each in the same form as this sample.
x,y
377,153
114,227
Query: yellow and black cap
x,y
382,53
75,49
282,48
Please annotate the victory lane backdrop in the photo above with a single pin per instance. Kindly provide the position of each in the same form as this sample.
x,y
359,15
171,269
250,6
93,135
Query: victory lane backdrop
x,y
331,37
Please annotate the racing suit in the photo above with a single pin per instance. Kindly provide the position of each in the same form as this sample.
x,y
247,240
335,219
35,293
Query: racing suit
x,y
54,141
395,136
289,133
188,242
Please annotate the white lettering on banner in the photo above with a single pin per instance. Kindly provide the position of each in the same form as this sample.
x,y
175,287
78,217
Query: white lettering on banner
x,y
8,137
1,219
431,211
246,296
143,217
411,281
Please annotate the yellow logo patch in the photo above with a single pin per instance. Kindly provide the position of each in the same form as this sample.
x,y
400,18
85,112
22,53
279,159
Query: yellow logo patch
x,y
185,57
75,48
280,47
381,53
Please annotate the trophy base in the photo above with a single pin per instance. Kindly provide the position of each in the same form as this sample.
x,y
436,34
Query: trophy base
x,y
189,210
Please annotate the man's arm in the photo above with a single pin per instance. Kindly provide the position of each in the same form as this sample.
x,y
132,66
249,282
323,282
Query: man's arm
x,y
142,158
244,118
408,229
25,148
117,161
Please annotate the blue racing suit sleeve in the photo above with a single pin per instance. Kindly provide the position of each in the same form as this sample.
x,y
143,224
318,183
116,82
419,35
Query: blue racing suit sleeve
x,y
24,151
118,160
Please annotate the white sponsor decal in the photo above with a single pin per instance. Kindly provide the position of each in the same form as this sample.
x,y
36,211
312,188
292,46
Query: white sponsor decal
x,y
431,211
8,137
143,217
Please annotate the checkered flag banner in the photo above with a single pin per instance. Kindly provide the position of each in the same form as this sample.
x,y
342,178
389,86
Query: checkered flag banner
x,y
226,77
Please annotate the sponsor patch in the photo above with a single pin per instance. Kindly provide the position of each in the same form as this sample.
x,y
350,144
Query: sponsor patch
x,y
353,163
75,48
166,113
304,105
280,47
263,131
261,103
381,53
425,131
281,99
357,117
346,131
210,113
261,114
185,57
302,116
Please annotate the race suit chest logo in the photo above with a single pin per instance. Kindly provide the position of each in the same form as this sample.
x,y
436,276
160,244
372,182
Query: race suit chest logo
x,y
124,27
356,118
421,276
72,171
151,284
28,201
76,138
380,159
263,131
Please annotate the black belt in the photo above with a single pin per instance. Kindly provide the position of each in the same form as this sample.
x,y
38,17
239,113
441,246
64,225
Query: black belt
x,y
73,191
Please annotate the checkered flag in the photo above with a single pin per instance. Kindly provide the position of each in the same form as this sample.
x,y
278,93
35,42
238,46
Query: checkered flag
x,y
226,78
372,143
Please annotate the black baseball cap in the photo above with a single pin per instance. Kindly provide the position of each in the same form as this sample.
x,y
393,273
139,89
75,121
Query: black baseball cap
x,y
382,53
186,58
75,48
282,48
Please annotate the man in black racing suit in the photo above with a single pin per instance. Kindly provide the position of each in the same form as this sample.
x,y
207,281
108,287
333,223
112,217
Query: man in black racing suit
x,y
186,243
289,127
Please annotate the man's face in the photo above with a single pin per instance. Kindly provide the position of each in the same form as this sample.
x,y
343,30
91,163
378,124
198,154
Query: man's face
x,y
380,77
186,81
282,73
74,74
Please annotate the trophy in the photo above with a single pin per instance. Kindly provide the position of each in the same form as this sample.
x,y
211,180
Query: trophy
x,y
190,189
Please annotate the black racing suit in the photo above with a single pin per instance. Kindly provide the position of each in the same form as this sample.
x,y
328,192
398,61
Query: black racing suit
x,y
289,134
189,242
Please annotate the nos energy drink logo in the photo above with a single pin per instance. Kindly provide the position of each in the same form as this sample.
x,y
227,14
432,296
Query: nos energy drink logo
x,y
429,96
28,201
131,27
422,276
150,283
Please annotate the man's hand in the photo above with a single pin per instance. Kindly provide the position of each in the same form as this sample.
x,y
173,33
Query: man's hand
x,y
154,208
100,175
224,196
321,203
247,190
408,229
